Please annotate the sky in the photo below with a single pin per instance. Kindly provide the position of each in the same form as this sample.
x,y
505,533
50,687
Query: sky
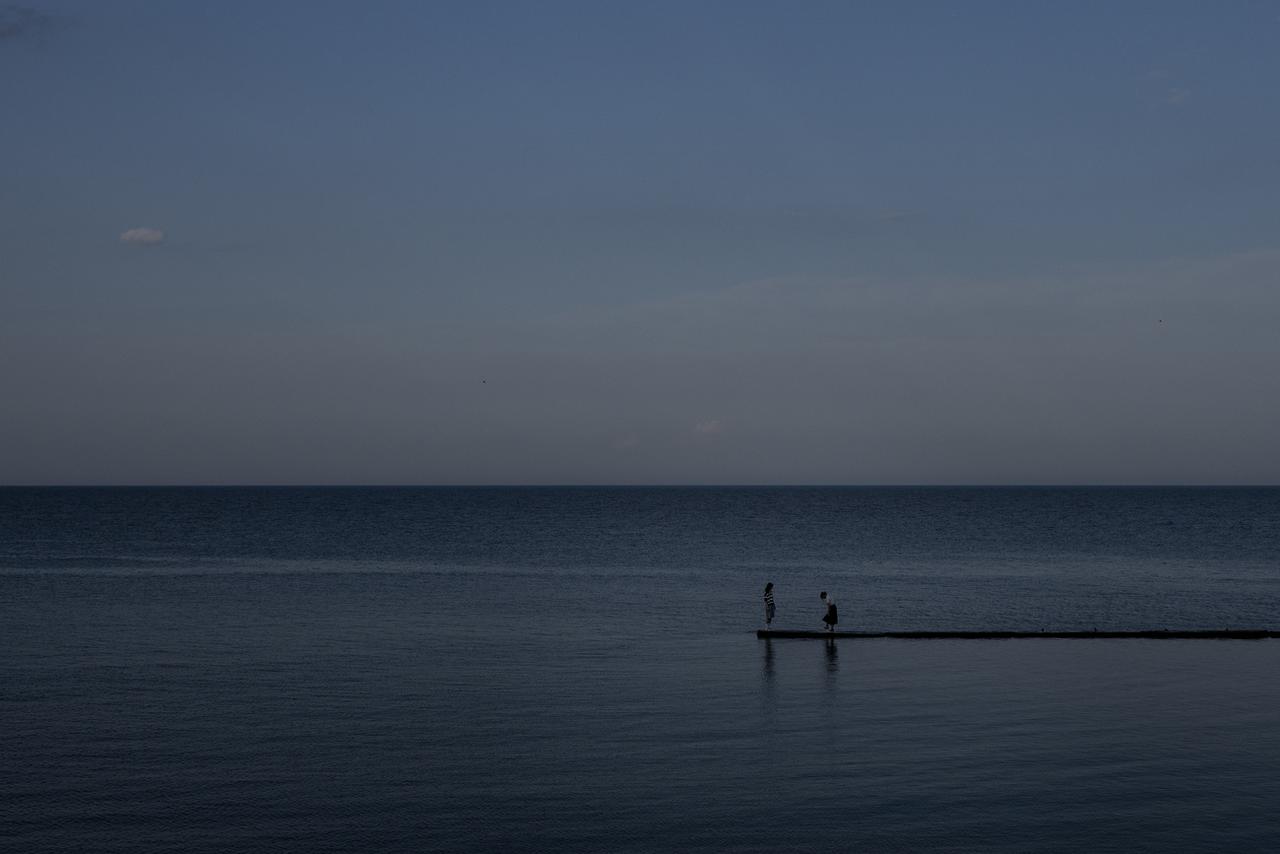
x,y
639,243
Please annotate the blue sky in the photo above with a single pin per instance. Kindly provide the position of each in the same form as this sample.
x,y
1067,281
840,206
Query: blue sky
x,y
607,242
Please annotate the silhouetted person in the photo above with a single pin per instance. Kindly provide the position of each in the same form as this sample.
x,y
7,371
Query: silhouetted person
x,y
768,604
831,617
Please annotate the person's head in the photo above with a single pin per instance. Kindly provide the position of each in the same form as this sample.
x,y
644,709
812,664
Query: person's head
x,y
822,595
768,587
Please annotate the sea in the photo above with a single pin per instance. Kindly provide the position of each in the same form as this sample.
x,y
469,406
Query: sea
x,y
577,670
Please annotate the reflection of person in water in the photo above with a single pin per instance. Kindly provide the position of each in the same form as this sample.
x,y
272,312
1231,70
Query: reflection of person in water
x,y
768,604
831,617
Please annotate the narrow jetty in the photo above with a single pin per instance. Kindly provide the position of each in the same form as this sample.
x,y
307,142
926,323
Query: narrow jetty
x,y
1152,634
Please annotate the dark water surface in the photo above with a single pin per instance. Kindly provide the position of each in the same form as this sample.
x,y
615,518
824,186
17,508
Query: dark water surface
x,y
574,670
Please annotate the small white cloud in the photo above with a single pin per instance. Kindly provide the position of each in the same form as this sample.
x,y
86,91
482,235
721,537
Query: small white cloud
x,y
142,236
1176,96
710,427
627,442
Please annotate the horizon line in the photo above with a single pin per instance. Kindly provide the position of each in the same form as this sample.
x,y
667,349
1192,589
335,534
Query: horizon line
x,y
640,485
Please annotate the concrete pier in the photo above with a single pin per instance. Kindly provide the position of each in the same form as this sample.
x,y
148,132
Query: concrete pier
x,y
1151,634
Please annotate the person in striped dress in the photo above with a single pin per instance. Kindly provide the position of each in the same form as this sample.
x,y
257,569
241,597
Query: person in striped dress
x,y
768,604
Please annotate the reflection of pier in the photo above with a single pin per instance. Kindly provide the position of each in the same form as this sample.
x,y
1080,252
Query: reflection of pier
x,y
1154,634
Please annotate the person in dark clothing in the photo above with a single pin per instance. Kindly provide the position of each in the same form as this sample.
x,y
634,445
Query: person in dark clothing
x,y
768,604
830,617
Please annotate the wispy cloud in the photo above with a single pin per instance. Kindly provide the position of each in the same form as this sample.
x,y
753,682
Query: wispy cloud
x,y
708,427
830,315
895,215
1176,95
142,236
18,22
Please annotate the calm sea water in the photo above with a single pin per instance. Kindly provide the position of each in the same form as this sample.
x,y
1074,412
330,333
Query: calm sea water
x,y
575,670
